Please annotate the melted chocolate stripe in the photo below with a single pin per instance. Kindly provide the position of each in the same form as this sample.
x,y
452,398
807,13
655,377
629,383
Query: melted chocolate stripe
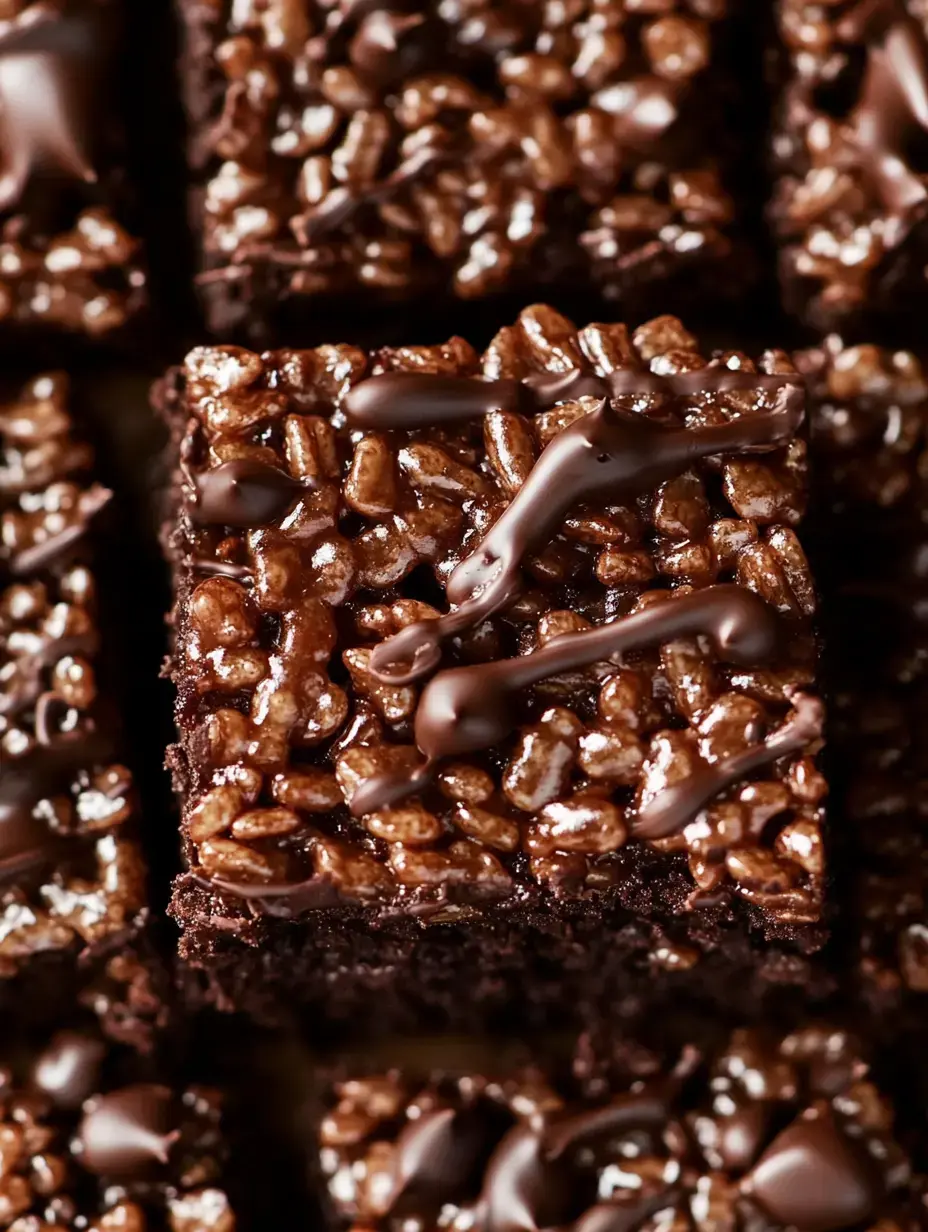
x,y
624,1217
46,60
892,103
40,555
641,1110
244,493
424,399
466,709
219,568
609,453
124,1133
523,1183
673,807
340,205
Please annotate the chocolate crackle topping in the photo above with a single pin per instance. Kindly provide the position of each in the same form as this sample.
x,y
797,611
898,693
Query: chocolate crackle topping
x,y
453,627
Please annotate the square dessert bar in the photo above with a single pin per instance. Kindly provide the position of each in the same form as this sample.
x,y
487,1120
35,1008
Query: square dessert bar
x,y
72,876
850,153
497,663
97,1142
458,149
66,258
756,1130
869,441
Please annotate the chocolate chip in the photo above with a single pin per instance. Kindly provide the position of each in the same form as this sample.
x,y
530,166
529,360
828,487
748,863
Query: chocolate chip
x,y
814,1178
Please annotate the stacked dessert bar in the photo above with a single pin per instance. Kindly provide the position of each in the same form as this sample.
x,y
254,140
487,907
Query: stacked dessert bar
x,y
543,516
511,652
382,152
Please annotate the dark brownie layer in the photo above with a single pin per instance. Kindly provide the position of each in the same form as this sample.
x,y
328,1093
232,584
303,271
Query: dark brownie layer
x,y
326,499
73,876
756,1131
851,158
67,259
340,150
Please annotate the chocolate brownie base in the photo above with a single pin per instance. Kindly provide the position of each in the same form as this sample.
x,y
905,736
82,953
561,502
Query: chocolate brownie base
x,y
68,258
458,152
655,767
850,210
553,966
752,1130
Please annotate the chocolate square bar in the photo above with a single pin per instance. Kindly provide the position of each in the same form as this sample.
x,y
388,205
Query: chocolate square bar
x,y
850,153
457,150
72,875
96,1141
68,258
509,656
879,737
868,439
758,1130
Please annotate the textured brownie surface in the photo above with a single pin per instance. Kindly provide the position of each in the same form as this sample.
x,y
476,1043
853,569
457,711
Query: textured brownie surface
x,y
759,1131
73,873
66,259
302,542
476,148
851,156
87,1145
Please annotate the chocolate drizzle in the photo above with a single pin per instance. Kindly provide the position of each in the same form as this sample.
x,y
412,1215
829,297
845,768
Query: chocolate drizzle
x,y
814,1177
126,1134
244,493
610,453
436,1157
893,100
529,1188
465,709
413,400
670,810
26,841
341,204
46,59
41,554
